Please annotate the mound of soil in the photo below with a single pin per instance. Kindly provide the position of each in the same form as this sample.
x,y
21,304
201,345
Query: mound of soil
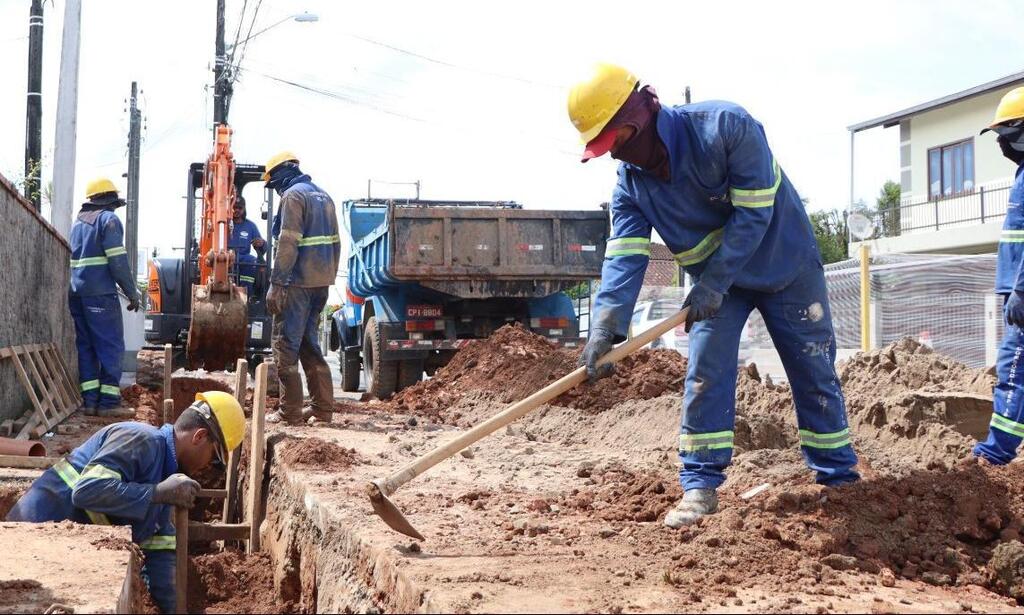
x,y
313,453
514,363
233,582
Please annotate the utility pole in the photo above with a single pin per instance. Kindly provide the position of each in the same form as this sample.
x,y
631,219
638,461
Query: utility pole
x,y
686,94
34,105
131,240
222,79
67,120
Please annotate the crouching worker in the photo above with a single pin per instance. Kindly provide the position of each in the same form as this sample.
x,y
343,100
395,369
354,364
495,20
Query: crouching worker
x,y
132,473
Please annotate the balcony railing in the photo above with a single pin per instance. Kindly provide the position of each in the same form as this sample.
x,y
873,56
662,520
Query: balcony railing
x,y
979,206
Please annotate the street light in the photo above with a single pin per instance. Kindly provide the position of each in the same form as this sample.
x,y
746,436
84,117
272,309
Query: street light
x,y
305,17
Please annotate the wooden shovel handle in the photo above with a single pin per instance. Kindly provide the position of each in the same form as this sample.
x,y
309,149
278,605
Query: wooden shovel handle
x,y
525,406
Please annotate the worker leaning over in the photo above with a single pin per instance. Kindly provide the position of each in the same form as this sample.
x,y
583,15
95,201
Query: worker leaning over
x,y
99,264
1007,427
245,236
130,473
306,264
704,178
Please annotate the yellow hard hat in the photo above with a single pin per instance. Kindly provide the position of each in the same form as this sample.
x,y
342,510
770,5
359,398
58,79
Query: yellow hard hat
x,y
100,185
276,160
1011,107
593,102
229,415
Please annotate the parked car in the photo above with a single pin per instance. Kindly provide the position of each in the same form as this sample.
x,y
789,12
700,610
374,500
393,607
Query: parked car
x,y
646,314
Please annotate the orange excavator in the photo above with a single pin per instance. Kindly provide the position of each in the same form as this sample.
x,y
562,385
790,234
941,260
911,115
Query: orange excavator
x,y
219,317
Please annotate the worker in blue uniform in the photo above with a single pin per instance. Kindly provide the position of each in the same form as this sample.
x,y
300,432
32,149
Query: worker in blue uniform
x,y
306,263
99,265
132,473
704,177
1006,429
245,236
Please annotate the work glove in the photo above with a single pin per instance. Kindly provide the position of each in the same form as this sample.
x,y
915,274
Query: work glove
x,y
1014,309
176,490
600,342
134,305
275,299
704,302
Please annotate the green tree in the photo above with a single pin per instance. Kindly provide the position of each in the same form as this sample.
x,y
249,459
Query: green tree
x,y
830,232
888,208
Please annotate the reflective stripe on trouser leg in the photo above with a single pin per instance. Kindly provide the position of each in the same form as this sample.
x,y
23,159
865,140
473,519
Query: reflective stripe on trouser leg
x,y
1006,430
709,402
800,324
88,363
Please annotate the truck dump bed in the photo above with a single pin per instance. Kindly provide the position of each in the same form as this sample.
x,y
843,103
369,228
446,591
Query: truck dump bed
x,y
472,249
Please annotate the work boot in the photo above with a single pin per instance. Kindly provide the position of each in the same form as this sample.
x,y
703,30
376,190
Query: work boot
x,y
695,504
88,410
311,416
279,416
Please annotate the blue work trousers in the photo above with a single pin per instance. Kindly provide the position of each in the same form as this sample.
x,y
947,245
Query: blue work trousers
x,y
296,340
99,336
800,324
1006,430
247,273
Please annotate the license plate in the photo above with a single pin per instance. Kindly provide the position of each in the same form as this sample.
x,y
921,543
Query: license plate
x,y
423,311
256,331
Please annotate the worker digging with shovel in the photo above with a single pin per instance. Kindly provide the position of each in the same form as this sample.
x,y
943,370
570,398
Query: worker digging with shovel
x,y
703,176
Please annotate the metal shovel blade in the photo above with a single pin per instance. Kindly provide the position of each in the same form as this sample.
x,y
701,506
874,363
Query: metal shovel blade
x,y
386,510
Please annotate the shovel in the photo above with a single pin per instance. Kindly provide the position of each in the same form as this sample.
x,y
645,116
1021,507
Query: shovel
x,y
379,490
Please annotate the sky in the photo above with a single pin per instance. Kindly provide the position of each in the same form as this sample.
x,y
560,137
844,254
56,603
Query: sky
x,y
469,98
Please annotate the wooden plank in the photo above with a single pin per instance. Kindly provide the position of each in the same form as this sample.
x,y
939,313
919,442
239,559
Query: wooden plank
x,y
62,384
28,463
50,418
49,380
213,493
256,457
229,512
27,384
6,428
67,374
168,369
198,532
168,411
181,528
29,427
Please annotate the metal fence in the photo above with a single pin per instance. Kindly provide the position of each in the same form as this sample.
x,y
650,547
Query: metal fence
x,y
981,205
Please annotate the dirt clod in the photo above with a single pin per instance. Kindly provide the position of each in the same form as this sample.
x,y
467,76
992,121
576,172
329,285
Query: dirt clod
x,y
318,454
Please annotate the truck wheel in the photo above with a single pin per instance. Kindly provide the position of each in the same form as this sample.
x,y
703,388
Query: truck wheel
x,y
381,376
350,367
409,372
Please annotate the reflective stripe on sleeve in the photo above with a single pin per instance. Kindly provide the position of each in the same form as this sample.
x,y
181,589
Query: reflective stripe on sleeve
x,y
1006,425
318,240
70,476
159,543
89,262
702,250
762,197
115,251
628,246
824,440
692,442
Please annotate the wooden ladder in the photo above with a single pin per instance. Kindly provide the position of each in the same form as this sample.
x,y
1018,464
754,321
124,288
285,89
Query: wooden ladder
x,y
45,377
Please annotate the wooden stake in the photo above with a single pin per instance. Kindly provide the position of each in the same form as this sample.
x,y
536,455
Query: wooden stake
x,y
256,457
168,411
168,368
231,476
181,554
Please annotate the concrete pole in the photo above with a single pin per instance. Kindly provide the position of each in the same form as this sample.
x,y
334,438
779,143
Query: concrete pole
x,y
865,297
132,209
34,105
65,137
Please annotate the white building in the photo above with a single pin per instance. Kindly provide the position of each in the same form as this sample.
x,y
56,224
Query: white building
x,y
954,182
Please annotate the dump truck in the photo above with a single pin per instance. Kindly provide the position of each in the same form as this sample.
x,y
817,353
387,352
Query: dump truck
x,y
427,277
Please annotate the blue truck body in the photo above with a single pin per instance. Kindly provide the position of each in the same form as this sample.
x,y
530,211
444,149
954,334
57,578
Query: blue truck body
x,y
426,277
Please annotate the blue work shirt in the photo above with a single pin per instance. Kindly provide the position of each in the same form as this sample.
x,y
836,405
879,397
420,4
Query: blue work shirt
x,y
242,235
109,480
1009,276
728,212
99,261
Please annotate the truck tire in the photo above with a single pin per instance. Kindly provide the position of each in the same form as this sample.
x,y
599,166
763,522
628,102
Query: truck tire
x,y
409,372
381,376
350,368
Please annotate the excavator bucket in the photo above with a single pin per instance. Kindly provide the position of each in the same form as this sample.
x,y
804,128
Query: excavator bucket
x,y
216,334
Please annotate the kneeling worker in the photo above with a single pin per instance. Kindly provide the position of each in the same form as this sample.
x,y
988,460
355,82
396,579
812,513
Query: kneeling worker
x,y
132,473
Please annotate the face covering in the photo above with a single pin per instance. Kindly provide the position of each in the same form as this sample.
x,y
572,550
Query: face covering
x,y
281,176
1011,140
644,149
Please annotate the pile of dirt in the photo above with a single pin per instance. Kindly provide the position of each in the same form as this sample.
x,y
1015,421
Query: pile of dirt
x,y
233,582
148,403
10,493
624,495
317,454
514,363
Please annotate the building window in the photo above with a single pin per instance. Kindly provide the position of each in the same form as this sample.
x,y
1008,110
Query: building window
x,y
951,169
